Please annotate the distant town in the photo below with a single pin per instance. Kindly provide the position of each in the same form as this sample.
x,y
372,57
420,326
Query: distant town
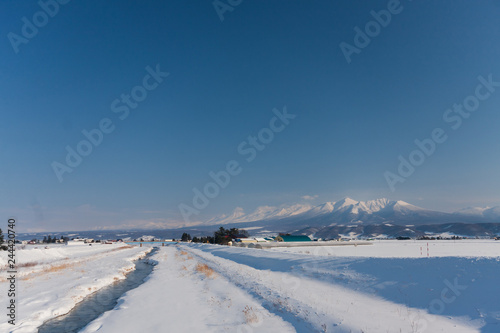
x,y
234,237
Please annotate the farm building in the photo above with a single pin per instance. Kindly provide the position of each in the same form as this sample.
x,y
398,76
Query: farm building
x,y
246,240
300,238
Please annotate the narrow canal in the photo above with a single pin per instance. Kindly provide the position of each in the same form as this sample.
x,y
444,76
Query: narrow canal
x,y
99,302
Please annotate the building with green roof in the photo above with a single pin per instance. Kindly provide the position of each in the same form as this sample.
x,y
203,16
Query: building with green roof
x,y
293,238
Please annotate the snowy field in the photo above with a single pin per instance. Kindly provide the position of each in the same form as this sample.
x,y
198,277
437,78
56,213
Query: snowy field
x,y
408,249
390,286
51,281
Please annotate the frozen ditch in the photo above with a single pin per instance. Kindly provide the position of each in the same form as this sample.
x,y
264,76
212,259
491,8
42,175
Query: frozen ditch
x,y
99,302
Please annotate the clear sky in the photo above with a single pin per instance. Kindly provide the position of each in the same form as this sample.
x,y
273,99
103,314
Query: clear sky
x,y
352,119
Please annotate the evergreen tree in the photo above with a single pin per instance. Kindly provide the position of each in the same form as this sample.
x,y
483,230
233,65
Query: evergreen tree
x,y
223,236
185,237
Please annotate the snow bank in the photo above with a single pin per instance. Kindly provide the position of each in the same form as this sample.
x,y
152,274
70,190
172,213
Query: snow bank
x,y
60,277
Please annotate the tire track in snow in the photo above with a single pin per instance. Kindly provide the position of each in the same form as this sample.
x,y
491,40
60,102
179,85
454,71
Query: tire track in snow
x,y
312,305
275,295
269,299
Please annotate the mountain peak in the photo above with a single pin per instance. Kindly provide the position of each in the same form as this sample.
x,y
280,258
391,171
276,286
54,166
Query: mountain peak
x,y
326,207
345,202
348,201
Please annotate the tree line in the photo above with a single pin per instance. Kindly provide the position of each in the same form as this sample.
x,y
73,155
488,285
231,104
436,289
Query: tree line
x,y
51,239
222,236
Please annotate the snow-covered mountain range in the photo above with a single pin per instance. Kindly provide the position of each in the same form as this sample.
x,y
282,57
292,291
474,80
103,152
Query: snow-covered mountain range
x,y
261,213
484,212
352,212
331,220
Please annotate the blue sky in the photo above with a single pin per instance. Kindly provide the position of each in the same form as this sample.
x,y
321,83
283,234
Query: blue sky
x,y
352,120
